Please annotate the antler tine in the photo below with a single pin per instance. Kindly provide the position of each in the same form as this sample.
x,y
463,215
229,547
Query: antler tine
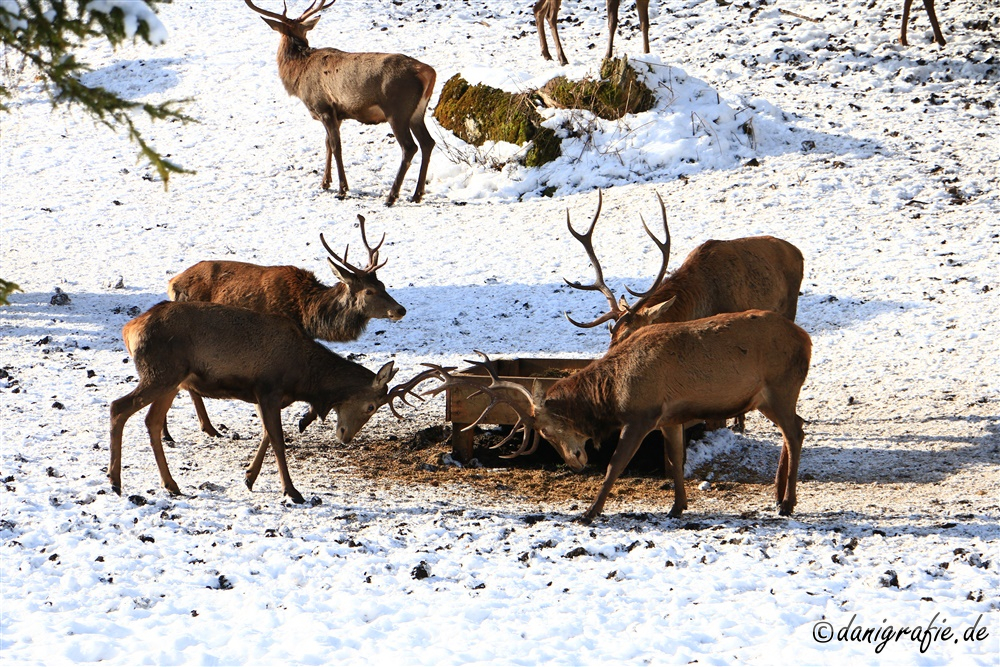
x,y
373,264
280,17
664,250
314,9
400,391
587,241
341,260
534,437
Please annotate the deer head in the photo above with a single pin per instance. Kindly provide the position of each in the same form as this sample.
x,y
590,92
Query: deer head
x,y
367,292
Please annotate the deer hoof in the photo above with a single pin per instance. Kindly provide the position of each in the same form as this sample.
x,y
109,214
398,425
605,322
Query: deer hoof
x,y
117,488
295,497
785,508
676,511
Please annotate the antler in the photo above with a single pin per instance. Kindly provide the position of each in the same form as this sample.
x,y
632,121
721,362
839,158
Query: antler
x,y
373,264
664,250
283,17
401,390
586,239
315,8
525,421
280,17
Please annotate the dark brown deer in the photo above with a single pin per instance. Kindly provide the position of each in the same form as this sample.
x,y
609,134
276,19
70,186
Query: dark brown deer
x,y
339,313
758,272
929,6
233,353
661,377
548,10
370,88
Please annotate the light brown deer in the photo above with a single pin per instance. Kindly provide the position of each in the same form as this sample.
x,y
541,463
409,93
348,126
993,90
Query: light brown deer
x,y
758,272
929,6
663,376
548,10
339,313
370,88
233,353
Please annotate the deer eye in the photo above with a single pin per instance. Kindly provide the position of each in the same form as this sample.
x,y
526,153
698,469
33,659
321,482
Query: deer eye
x,y
370,408
369,292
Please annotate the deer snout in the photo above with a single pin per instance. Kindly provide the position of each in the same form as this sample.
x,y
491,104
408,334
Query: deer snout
x,y
396,313
343,435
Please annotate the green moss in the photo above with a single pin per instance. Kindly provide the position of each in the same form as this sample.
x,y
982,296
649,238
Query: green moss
x,y
618,92
480,113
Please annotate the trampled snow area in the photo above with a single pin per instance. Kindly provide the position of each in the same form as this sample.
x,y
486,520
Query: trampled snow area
x,y
879,162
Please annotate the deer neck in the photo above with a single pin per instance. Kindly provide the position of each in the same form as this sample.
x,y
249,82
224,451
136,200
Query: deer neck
x,y
331,379
293,58
588,398
331,315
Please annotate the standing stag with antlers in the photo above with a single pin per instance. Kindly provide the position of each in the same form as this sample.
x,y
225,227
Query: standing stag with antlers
x,y
370,88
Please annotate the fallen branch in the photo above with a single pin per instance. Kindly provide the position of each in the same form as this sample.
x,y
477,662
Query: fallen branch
x,y
800,16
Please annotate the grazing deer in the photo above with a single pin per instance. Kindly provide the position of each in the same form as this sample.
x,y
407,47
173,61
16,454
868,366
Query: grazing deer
x,y
370,88
233,353
758,272
929,6
339,313
548,10
663,376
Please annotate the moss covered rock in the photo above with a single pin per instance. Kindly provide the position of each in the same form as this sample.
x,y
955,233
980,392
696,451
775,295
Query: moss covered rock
x,y
481,113
618,92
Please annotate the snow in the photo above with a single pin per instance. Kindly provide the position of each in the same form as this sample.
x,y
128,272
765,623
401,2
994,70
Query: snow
x,y
879,162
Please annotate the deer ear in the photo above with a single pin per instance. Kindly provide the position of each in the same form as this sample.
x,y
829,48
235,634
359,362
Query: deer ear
x,y
384,375
343,276
277,25
537,394
652,314
310,23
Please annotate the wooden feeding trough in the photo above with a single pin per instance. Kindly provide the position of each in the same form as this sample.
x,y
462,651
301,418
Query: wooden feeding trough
x,y
462,409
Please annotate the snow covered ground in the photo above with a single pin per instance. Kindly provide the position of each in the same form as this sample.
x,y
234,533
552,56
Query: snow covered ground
x,y
879,162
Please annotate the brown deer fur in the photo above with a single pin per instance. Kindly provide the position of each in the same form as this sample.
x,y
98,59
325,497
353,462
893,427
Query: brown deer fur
x,y
370,88
233,353
548,11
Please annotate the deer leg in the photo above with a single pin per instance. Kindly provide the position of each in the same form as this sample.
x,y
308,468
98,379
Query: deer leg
x,y
258,461
790,425
203,420
540,10
409,147
740,423
628,444
332,125
555,39
121,410
612,25
426,142
270,415
155,420
906,18
673,441
938,37
307,419
642,7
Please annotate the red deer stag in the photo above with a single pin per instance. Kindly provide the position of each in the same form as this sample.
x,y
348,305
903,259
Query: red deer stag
x,y
758,272
339,313
663,376
548,10
929,6
233,353
370,88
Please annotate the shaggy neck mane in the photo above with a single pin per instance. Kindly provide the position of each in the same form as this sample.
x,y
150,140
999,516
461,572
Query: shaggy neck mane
x,y
588,397
293,55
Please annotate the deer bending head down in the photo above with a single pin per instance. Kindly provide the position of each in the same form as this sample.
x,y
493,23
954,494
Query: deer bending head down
x,y
370,88
548,10
663,376
338,314
233,353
